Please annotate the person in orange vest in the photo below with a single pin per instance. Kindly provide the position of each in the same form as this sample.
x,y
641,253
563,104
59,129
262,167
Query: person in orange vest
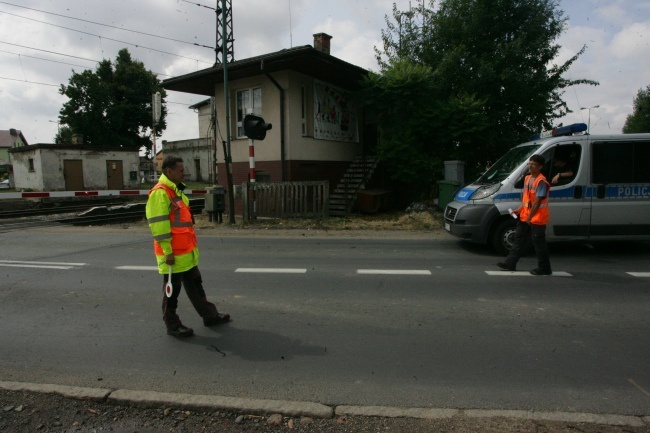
x,y
175,245
533,217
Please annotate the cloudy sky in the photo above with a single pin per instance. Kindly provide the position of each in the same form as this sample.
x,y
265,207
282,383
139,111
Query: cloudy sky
x,y
42,41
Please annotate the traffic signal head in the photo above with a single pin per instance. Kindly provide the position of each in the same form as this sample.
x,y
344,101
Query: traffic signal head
x,y
255,128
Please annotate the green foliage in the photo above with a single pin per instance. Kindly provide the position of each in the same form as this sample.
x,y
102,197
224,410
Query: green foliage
x,y
490,81
63,135
112,106
639,120
421,125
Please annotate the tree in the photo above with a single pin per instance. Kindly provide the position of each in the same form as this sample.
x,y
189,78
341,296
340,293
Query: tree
x,y
112,105
497,53
63,135
413,115
639,120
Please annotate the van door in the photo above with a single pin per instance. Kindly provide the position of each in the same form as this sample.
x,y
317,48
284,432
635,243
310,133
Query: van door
x,y
569,207
620,192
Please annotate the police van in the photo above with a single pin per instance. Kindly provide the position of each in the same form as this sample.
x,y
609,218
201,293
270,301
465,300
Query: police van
x,y
602,191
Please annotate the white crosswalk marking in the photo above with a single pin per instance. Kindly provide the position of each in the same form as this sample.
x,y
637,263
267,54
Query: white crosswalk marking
x,y
526,274
39,265
639,274
138,268
271,270
392,272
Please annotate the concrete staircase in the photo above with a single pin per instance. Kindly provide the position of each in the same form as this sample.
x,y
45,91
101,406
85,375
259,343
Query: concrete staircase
x,y
344,196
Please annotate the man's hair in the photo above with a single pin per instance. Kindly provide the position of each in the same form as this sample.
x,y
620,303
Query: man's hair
x,y
535,158
171,161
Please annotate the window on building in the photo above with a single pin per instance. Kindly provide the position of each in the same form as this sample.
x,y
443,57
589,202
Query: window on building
x,y
248,101
303,109
31,164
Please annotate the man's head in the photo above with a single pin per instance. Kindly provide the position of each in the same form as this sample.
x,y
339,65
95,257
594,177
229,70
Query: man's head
x,y
535,164
173,168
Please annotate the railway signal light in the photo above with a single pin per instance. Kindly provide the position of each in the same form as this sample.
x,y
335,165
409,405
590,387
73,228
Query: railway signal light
x,y
255,128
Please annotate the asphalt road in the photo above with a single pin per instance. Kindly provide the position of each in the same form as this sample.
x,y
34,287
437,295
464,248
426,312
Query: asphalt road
x,y
354,320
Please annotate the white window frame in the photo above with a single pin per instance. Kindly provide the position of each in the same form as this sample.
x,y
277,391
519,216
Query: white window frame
x,y
247,101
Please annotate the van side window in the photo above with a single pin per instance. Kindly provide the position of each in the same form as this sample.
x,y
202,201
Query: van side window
x,y
616,162
566,161
641,159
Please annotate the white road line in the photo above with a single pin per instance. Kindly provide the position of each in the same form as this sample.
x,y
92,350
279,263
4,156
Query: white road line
x,y
137,268
17,265
271,270
41,263
392,272
639,274
526,274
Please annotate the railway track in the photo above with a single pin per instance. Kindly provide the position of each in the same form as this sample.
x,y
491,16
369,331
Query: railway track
x,y
78,214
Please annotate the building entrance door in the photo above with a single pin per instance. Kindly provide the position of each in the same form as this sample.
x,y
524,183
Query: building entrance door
x,y
73,174
114,175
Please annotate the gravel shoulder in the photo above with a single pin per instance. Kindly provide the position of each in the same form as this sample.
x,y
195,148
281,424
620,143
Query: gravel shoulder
x,y
23,412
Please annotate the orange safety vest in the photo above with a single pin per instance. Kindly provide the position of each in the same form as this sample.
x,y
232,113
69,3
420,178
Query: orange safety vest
x,y
181,224
541,217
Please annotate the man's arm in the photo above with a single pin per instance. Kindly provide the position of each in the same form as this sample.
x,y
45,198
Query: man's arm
x,y
534,208
157,211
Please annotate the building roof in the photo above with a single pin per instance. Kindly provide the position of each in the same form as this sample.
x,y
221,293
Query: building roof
x,y
54,146
8,137
304,59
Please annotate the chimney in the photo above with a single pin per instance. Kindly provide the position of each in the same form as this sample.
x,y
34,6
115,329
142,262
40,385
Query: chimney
x,y
322,42
13,132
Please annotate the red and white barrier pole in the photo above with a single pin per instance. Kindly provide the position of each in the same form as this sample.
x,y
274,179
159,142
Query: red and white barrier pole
x,y
251,175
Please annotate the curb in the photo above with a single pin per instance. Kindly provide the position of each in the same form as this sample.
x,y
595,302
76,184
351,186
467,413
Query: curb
x,y
314,410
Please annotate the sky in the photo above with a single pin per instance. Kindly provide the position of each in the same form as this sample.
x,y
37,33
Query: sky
x,y
43,41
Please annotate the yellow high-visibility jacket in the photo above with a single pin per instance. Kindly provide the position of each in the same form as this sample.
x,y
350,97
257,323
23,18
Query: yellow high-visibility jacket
x,y
159,215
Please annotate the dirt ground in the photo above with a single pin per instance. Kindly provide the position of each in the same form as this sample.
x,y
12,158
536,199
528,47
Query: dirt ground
x,y
26,412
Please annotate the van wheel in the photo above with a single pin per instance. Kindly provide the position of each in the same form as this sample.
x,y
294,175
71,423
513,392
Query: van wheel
x,y
503,236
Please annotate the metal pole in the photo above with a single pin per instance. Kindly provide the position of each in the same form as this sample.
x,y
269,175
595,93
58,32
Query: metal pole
x,y
589,116
224,59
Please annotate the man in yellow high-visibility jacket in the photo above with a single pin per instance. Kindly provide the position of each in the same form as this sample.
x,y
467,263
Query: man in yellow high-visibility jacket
x,y
172,225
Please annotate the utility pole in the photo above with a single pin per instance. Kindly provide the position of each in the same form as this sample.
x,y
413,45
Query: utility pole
x,y
224,44
156,111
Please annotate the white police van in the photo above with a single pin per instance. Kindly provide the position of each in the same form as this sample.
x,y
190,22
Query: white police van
x,y
607,196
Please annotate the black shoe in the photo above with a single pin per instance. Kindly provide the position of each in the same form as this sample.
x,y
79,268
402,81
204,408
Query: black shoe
x,y
540,271
506,267
217,320
181,332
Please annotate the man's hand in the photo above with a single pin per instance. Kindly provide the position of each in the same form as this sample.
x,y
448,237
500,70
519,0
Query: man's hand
x,y
556,178
169,259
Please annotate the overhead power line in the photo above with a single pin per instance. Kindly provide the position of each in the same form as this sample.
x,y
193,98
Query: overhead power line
x,y
41,58
51,52
58,85
30,82
107,25
103,37
199,4
58,54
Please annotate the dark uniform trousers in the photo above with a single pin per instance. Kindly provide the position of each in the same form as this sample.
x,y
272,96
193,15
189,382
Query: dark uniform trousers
x,y
193,284
538,235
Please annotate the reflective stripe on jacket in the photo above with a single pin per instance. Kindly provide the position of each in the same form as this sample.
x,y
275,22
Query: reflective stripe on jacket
x,y
170,220
542,216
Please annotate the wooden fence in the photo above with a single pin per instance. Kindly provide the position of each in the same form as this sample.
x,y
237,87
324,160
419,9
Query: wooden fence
x,y
285,199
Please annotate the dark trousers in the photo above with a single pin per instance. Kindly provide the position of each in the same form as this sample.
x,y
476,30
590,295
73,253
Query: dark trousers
x,y
192,282
537,233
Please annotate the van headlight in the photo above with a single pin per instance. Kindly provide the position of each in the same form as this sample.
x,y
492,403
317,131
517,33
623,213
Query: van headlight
x,y
485,191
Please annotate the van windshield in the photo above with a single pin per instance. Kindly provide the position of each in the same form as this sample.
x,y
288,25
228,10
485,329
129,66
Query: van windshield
x,y
508,162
